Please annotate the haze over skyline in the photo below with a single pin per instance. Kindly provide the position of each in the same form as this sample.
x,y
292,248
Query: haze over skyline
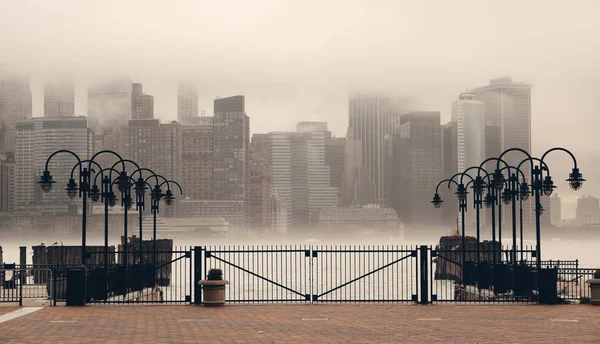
x,y
297,61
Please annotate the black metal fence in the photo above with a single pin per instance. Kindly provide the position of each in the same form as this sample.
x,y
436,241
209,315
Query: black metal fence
x,y
484,276
373,273
19,282
159,277
306,274
262,273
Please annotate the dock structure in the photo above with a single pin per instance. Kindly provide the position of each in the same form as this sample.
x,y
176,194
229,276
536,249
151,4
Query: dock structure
x,y
164,255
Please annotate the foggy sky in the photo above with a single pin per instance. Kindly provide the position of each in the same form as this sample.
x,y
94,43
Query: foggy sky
x,y
297,60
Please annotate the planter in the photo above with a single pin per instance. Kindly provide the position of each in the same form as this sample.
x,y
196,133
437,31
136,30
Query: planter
x,y
595,291
213,292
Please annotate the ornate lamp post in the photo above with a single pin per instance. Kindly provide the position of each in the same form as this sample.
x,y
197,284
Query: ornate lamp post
x,y
85,167
545,186
575,181
461,194
478,188
141,185
109,199
126,182
168,197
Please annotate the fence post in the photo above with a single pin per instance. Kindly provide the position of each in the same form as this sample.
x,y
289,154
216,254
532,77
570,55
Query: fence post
x,y
424,275
577,272
197,275
54,283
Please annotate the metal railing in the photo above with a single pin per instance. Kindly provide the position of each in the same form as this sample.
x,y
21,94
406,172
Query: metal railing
x,y
262,273
292,273
571,281
372,273
19,282
305,274
170,281
485,276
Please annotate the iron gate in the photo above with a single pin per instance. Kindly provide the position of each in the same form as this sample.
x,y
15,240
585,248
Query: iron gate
x,y
315,274
364,274
262,273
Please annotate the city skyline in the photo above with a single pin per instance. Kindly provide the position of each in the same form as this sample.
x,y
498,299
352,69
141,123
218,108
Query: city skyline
x,y
102,97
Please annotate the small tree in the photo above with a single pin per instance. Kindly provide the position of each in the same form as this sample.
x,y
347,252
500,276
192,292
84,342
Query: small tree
x,y
215,274
597,274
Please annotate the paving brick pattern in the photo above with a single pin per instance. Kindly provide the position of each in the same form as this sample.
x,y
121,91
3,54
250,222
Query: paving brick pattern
x,y
322,324
7,308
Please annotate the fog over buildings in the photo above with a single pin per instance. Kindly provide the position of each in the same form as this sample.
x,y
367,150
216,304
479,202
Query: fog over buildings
x,y
129,65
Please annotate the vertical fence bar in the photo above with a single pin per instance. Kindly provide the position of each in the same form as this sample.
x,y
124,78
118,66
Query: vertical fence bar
x,y
423,275
197,274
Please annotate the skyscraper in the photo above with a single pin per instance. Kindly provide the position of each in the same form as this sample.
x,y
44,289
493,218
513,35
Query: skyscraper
x,y
197,159
320,192
15,106
449,139
469,114
351,174
372,117
421,157
142,105
155,146
25,177
258,196
7,182
109,104
59,97
187,103
508,106
299,175
54,133
112,138
335,153
158,147
231,128
493,145
258,146
588,210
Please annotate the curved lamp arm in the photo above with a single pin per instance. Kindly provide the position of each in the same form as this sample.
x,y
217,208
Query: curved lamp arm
x,y
479,169
169,187
62,151
518,170
443,181
127,160
542,164
110,152
81,163
563,150
102,172
156,176
498,160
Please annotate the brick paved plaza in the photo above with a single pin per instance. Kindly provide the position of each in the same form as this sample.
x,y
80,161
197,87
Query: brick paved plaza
x,y
306,324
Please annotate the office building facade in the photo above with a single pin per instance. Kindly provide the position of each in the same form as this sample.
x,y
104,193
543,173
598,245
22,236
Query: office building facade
x,y
231,127
421,167
59,97
142,105
15,106
372,117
